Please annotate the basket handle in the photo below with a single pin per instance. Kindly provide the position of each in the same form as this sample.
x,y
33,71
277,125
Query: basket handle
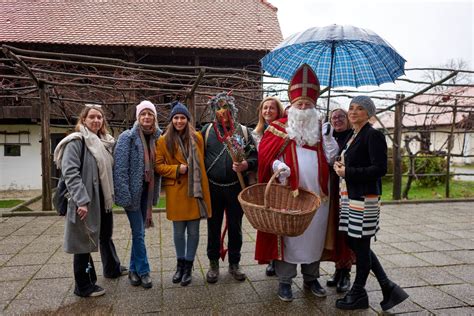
x,y
267,188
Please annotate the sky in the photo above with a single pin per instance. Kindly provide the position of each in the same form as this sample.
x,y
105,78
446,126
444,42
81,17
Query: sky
x,y
425,32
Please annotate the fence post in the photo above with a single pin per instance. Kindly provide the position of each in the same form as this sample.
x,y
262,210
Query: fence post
x,y
396,150
45,148
450,141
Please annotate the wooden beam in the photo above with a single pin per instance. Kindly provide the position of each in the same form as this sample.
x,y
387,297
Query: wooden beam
x,y
45,148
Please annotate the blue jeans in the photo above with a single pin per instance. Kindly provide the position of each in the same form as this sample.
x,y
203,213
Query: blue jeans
x,y
136,217
186,249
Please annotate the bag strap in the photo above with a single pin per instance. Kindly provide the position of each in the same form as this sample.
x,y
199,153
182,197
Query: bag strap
x,y
206,134
83,153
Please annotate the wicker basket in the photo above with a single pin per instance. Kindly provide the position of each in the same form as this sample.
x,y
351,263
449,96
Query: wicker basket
x,y
271,208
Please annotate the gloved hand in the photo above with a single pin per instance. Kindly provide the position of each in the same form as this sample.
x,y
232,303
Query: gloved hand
x,y
327,129
285,171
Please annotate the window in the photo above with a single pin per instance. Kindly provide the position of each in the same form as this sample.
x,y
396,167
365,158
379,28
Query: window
x,y
12,150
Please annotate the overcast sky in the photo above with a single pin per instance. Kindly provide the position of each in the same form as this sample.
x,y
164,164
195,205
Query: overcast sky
x,y
426,33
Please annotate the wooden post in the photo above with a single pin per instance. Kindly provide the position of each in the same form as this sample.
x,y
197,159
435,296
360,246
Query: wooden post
x,y
450,142
45,148
396,150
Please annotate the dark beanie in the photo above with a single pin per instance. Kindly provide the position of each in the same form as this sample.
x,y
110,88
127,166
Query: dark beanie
x,y
179,108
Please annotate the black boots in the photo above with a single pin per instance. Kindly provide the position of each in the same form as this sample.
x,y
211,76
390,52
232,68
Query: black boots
x,y
344,283
179,271
341,279
187,274
392,295
356,298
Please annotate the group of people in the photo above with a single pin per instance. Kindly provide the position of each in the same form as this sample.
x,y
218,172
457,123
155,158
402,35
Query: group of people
x,y
202,174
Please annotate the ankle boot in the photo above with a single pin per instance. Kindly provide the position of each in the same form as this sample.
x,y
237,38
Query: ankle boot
x,y
332,281
356,298
344,282
179,271
187,274
213,274
392,295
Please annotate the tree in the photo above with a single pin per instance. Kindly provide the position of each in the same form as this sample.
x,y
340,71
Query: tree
x,y
451,65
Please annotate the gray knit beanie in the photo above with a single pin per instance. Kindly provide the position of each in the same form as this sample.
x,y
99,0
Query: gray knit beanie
x,y
366,103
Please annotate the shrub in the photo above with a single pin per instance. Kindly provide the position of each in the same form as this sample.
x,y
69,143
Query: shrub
x,y
429,165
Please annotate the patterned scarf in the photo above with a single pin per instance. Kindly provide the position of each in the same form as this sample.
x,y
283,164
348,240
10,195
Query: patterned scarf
x,y
194,175
149,158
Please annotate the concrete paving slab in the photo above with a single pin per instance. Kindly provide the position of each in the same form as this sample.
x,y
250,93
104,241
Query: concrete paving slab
x,y
36,275
463,292
432,298
461,311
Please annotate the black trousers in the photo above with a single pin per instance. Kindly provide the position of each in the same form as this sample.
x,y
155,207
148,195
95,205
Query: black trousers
x,y
85,278
225,198
366,261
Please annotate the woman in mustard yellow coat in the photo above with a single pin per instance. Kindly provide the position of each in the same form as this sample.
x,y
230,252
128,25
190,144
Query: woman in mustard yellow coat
x,y
180,162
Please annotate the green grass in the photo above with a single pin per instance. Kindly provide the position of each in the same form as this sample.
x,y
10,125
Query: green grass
x,y
470,167
9,203
457,189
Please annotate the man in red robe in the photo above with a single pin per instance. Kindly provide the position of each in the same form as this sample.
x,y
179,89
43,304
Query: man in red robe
x,y
296,146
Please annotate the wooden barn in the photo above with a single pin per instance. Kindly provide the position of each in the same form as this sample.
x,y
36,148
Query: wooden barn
x,y
60,54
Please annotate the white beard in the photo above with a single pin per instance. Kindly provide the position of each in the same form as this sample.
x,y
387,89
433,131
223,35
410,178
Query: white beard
x,y
303,126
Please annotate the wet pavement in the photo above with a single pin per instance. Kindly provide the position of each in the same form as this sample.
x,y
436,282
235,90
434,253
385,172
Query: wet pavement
x,y
427,248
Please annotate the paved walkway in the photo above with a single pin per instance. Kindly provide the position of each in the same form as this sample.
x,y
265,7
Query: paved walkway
x,y
427,248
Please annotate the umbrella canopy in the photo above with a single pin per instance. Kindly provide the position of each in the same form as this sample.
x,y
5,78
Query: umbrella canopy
x,y
341,56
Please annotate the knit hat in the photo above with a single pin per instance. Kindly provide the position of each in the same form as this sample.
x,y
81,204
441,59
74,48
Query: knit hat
x,y
179,108
145,105
366,103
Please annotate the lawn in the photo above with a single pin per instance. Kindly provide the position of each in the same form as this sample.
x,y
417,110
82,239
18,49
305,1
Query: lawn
x,y
9,203
457,189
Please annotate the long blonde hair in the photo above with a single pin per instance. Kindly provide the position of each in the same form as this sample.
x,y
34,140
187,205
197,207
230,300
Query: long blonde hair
x,y
85,111
259,129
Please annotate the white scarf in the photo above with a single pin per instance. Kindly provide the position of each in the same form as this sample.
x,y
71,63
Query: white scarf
x,y
101,149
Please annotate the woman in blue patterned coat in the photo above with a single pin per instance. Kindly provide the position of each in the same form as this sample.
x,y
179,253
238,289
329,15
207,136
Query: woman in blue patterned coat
x,y
137,187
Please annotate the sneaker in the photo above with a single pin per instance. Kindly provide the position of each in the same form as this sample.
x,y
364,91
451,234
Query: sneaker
x,y
123,271
315,288
134,278
213,273
285,293
98,291
236,272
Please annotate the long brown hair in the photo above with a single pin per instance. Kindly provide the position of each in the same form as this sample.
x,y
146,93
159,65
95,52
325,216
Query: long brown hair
x,y
82,117
259,129
172,136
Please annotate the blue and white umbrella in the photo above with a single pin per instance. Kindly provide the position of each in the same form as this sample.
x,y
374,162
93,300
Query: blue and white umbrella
x,y
341,56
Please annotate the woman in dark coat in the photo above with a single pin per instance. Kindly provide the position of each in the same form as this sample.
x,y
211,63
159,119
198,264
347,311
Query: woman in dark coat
x,y
363,163
89,219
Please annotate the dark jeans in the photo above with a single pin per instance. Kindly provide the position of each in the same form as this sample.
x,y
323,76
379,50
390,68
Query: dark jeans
x,y
225,198
85,281
366,260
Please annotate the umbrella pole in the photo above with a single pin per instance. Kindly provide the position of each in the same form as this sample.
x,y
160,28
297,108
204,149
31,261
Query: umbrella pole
x,y
333,50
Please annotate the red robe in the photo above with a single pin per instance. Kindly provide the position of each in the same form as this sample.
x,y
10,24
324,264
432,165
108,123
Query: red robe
x,y
275,143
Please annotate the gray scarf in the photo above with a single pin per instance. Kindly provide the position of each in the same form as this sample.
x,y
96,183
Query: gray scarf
x,y
194,175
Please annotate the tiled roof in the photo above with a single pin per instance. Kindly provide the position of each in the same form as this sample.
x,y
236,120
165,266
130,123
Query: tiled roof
x,y
424,114
216,24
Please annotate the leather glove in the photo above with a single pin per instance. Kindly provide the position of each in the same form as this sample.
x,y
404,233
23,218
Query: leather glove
x,y
285,171
327,129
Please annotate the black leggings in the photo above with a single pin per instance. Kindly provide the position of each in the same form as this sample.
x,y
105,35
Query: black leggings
x,y
366,261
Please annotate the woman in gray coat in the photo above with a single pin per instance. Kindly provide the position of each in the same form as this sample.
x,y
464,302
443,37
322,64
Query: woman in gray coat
x,y
85,158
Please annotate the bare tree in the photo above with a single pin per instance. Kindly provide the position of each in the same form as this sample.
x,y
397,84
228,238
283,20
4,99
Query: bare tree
x,y
451,65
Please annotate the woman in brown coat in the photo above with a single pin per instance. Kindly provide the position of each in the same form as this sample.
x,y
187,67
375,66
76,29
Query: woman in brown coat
x,y
180,162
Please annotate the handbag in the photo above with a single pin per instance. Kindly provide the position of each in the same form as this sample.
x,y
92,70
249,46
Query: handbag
x,y
61,196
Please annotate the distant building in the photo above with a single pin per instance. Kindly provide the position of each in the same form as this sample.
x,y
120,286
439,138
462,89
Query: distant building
x,y
430,117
